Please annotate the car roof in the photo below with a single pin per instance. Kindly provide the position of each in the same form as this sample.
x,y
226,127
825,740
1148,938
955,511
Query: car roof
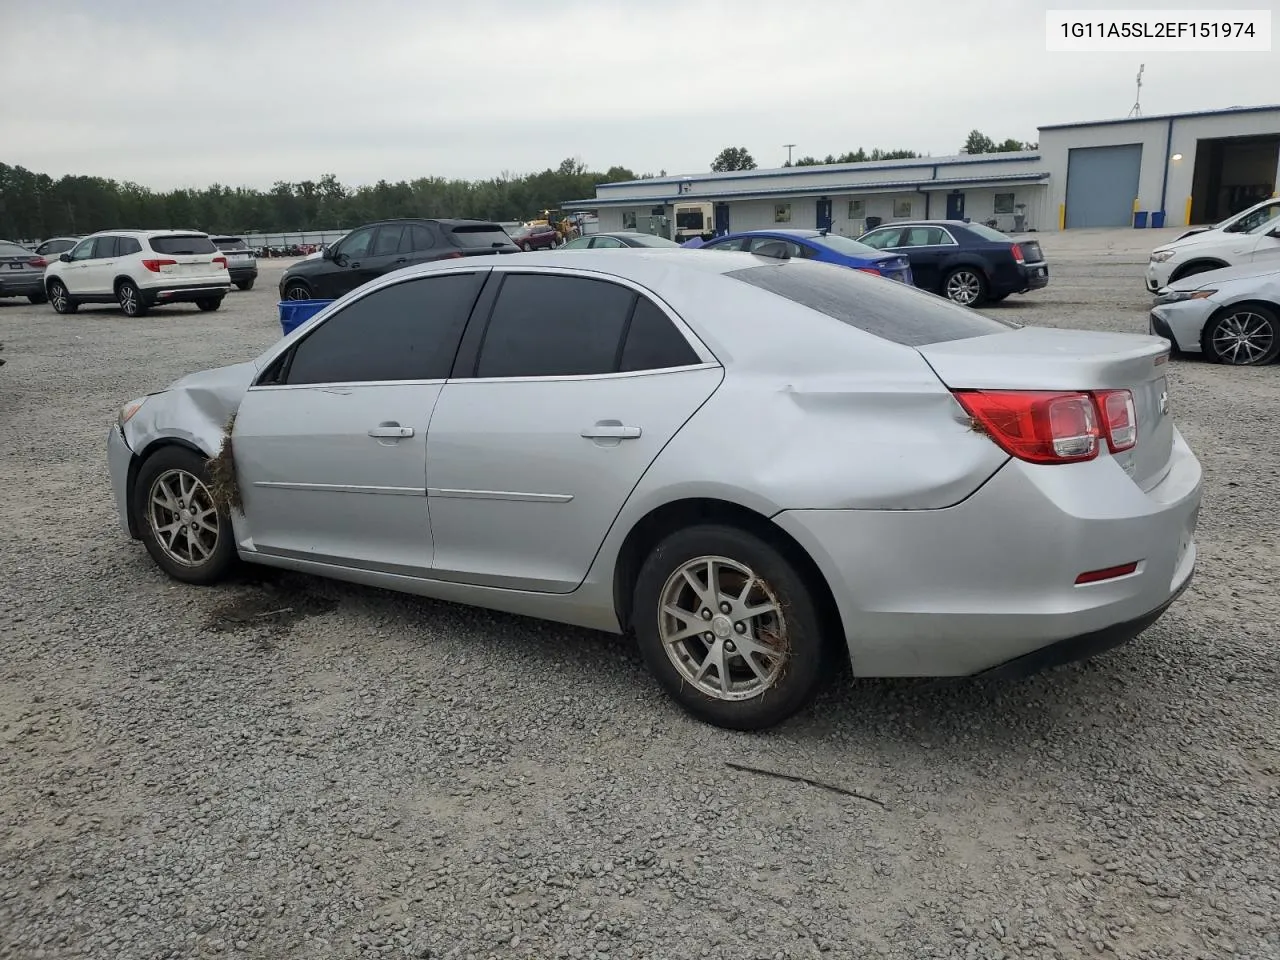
x,y
445,221
800,234
173,232
923,223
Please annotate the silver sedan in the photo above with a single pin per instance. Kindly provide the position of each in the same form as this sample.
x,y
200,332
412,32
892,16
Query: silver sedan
x,y
748,462
1231,315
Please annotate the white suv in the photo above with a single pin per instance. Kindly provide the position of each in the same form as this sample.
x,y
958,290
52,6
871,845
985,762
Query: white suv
x,y
1214,250
139,269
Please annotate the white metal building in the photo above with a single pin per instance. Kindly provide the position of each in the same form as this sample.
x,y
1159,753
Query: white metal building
x,y
1172,169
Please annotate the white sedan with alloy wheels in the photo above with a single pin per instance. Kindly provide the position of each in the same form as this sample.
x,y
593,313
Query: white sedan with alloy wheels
x,y
1231,316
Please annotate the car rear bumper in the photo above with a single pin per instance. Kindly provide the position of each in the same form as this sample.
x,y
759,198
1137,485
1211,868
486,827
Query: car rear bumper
x,y
21,285
242,271
119,458
185,293
1034,276
972,587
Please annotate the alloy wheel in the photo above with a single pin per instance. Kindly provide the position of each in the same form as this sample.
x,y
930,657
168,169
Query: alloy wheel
x,y
1243,338
723,628
58,297
183,517
128,299
963,287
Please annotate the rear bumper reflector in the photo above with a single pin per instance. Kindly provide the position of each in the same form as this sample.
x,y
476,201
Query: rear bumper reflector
x,y
1108,573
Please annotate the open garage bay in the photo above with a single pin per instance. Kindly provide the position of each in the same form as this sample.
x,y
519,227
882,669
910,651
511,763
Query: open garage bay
x,y
290,767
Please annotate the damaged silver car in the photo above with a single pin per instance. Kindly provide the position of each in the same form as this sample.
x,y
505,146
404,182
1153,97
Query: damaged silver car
x,y
749,462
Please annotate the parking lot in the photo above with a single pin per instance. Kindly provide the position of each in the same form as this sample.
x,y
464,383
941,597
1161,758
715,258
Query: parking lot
x,y
291,767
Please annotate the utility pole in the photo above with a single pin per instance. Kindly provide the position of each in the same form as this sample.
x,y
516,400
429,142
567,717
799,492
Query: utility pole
x,y
788,146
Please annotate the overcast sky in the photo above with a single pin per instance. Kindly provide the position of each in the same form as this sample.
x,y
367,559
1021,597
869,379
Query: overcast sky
x,y
243,92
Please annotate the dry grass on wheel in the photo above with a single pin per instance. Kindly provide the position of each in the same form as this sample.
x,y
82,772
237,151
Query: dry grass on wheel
x,y
224,486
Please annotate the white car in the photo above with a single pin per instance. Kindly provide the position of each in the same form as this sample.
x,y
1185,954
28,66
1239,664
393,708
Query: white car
x,y
1231,316
1213,250
139,269
1242,222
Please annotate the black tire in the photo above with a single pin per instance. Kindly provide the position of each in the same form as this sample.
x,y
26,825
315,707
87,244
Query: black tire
x,y
1192,269
37,298
208,304
1244,335
60,298
297,290
244,285
966,286
130,299
799,671
171,464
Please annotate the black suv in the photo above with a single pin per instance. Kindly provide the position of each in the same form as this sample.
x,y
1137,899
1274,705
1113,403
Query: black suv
x,y
378,248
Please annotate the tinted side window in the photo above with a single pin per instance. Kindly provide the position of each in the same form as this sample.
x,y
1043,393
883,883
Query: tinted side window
x,y
881,239
388,241
105,249
653,342
409,331
356,243
891,311
127,246
735,244
547,326
84,249
417,238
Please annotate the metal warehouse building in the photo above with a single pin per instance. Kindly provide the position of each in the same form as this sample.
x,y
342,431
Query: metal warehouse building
x,y
1172,170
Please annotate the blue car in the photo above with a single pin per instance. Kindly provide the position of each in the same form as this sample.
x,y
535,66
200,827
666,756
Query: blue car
x,y
817,245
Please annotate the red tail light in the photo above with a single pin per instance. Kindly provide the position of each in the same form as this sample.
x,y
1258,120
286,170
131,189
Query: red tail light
x,y
37,262
871,270
1041,426
1016,250
1119,418
155,265
220,262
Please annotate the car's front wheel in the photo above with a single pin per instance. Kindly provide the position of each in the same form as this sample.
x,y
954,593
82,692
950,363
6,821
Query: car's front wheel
x,y
60,299
1244,335
297,290
130,299
965,286
729,628
184,529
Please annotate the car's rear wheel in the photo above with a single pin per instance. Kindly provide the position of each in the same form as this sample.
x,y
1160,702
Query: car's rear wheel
x,y
965,286
187,534
60,298
209,303
297,290
1245,335
37,298
728,627
244,284
130,299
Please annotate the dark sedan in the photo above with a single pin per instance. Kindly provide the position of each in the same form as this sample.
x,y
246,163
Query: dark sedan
x,y
21,272
375,249
968,263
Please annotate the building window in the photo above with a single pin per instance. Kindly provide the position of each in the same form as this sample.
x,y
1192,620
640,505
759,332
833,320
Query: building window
x,y
782,213
1004,203
857,209
902,209
628,219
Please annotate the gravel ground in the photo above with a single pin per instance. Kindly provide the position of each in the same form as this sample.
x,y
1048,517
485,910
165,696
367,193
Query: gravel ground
x,y
288,767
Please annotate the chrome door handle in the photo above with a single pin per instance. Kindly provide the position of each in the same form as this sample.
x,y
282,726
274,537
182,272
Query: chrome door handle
x,y
611,430
393,430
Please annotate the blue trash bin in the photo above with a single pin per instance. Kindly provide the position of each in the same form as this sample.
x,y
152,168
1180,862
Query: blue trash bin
x,y
294,313
1157,219
1139,219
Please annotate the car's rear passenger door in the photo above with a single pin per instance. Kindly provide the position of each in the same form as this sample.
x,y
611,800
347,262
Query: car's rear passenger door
x,y
561,398
330,442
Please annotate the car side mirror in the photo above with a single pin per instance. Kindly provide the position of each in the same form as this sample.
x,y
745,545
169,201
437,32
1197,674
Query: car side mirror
x,y
1275,233
64,257
326,253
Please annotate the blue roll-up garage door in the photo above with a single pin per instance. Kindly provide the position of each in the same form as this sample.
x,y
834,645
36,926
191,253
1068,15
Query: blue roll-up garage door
x,y
1102,183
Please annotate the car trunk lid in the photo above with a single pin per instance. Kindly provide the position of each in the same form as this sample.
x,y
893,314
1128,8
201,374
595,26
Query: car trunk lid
x,y
1031,252
1031,359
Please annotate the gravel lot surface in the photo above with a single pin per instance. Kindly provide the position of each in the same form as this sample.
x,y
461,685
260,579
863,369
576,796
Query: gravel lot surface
x,y
293,768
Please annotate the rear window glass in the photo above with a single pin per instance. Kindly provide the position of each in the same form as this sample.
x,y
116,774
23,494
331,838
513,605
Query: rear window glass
x,y
179,244
846,247
986,233
230,243
883,308
13,250
648,240
483,235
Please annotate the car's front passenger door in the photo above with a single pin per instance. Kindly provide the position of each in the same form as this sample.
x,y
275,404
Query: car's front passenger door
x,y
541,435
330,443
75,275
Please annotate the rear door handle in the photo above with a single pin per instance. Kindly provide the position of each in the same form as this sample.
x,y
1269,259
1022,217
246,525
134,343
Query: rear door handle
x,y
393,430
611,430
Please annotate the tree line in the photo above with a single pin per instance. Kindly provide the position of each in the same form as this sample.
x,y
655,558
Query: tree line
x,y
739,158
36,206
